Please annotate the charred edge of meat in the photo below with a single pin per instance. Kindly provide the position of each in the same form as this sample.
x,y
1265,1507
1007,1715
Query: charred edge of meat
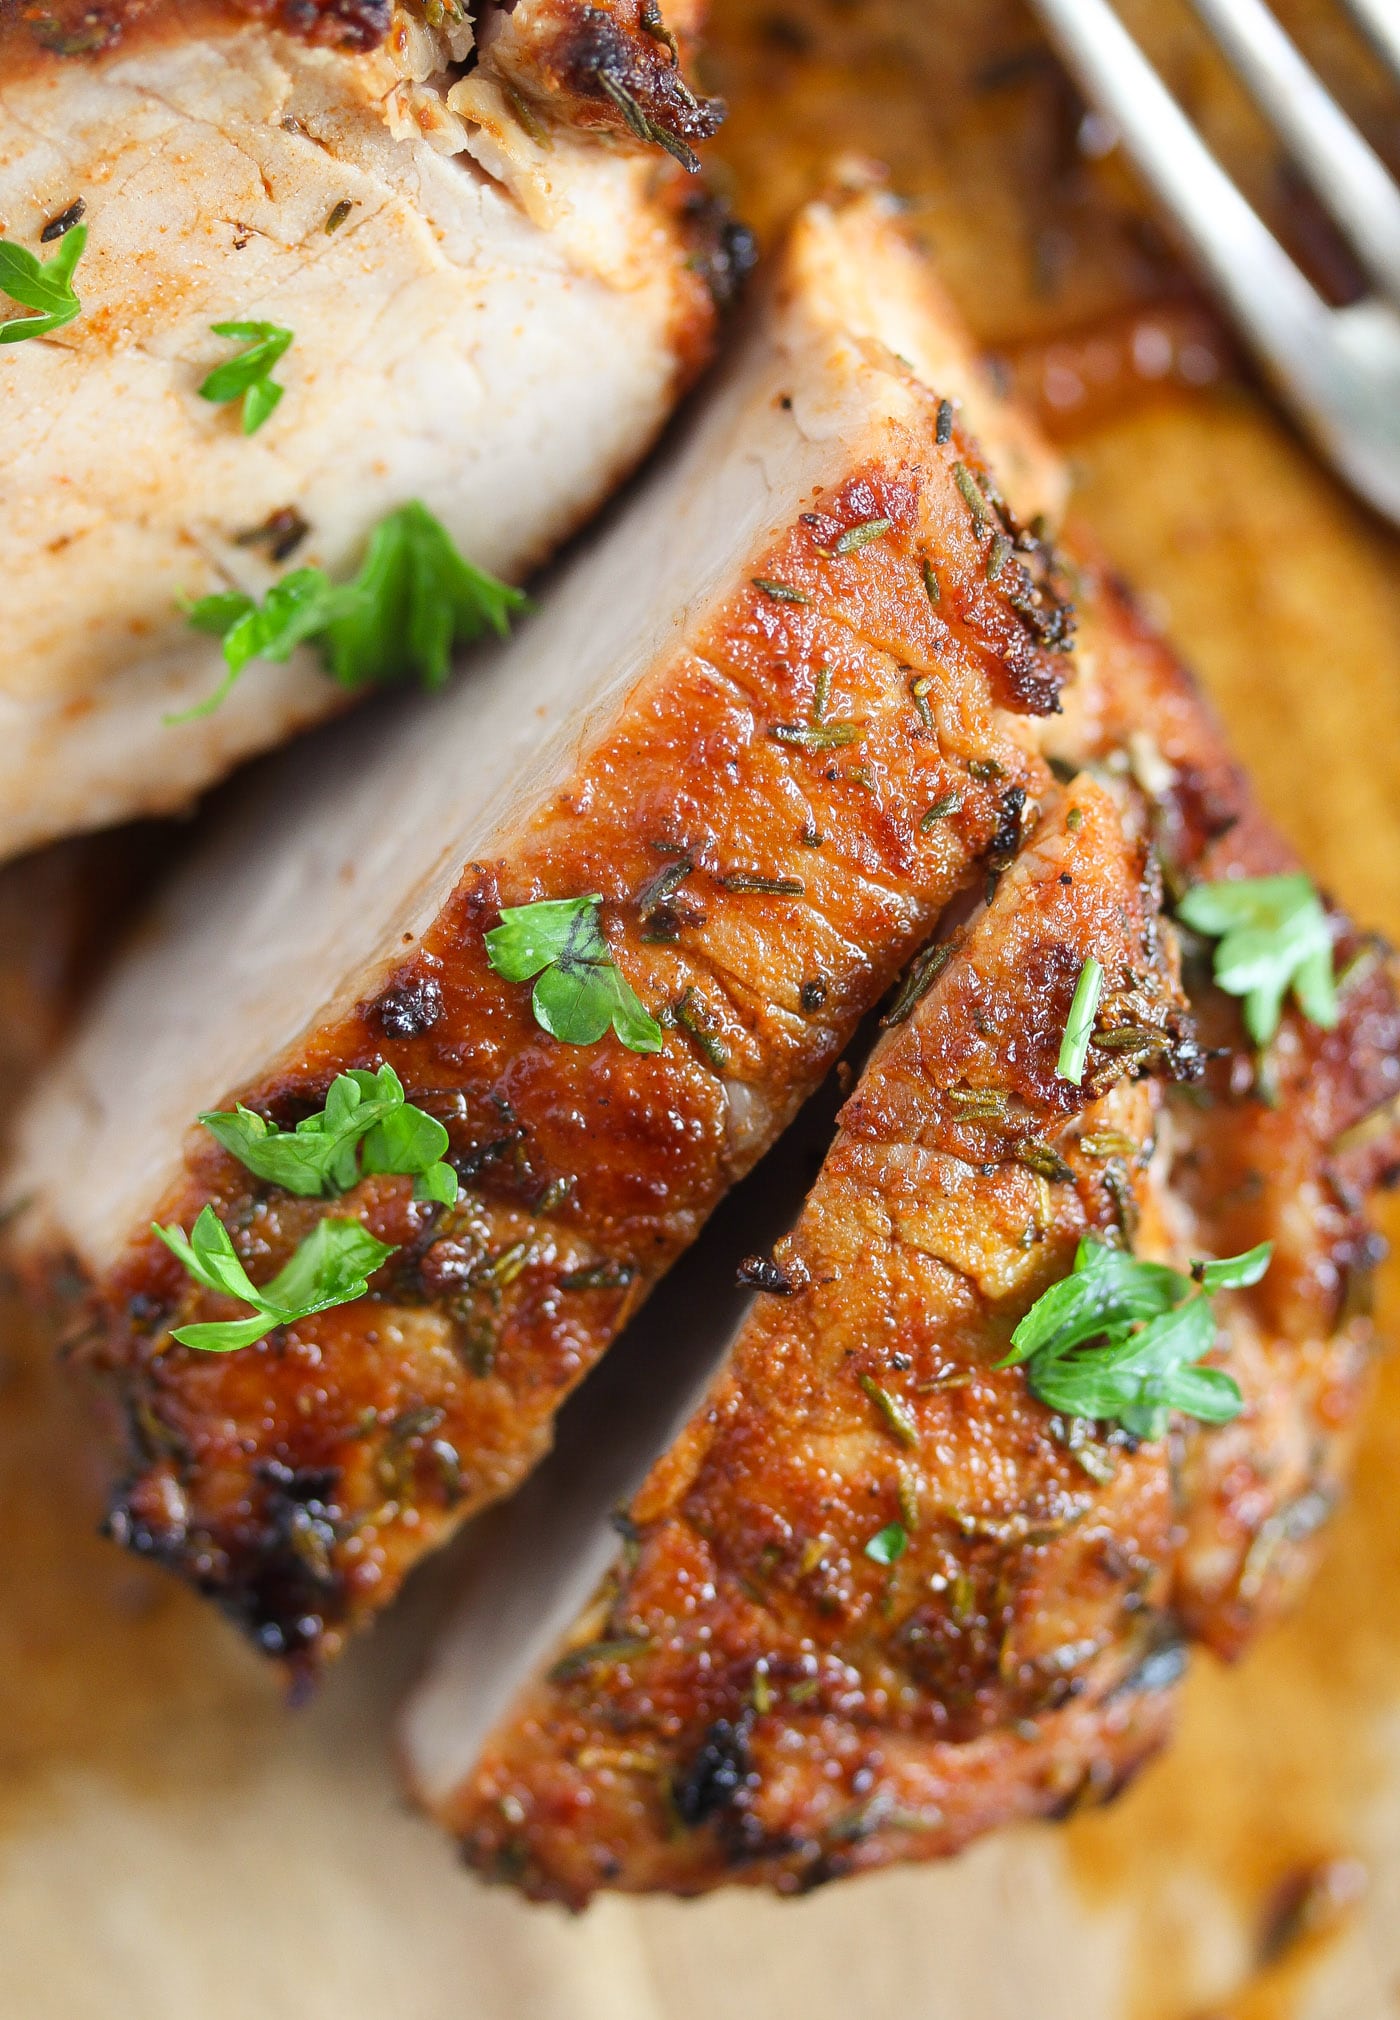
x,y
411,1005
277,1580
70,28
718,1773
722,252
622,77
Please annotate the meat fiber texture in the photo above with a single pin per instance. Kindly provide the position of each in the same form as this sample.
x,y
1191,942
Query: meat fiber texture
x,y
734,1688
816,621
496,303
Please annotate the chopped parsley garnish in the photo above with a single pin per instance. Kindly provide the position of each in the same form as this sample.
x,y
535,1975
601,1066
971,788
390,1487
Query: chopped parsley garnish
x,y
46,286
580,990
414,599
1074,1046
248,377
1271,935
1121,1340
889,1544
332,1266
365,1126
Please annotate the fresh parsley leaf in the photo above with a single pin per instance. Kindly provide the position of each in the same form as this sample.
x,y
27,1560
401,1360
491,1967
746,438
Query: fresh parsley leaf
x,y
1272,935
1074,1046
365,1126
581,990
1121,1340
295,609
414,599
889,1544
46,286
331,1267
249,376
418,599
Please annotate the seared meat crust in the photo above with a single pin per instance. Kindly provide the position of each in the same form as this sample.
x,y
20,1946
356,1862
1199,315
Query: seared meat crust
x,y
297,1481
1281,1148
750,1670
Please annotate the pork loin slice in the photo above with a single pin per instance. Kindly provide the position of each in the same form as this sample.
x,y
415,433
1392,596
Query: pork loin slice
x,y
494,317
1281,1147
751,1694
811,628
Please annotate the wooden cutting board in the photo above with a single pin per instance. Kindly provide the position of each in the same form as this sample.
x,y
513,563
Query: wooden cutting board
x,y
176,1845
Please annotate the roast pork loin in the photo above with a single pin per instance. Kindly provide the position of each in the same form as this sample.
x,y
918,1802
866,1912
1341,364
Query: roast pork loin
x,y
776,716
496,285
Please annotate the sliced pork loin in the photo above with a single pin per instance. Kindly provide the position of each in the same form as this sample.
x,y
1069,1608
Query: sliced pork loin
x,y
742,1694
777,715
747,1695
751,1694
498,288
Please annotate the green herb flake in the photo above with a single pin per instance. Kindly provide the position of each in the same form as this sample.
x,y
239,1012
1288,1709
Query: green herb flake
x,y
932,587
971,496
365,1126
1074,1046
1271,936
598,1655
856,537
943,426
580,990
889,1544
821,693
781,592
816,735
693,1016
1122,1340
920,689
1041,1158
897,1415
946,803
46,286
923,973
998,556
248,377
752,880
414,599
338,215
331,1267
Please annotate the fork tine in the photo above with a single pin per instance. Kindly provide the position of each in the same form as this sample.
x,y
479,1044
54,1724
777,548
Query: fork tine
x,y
1380,20
1347,174
1283,315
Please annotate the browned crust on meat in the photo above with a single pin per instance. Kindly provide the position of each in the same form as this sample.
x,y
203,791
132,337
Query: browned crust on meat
x,y
1283,1149
926,1698
298,1480
615,67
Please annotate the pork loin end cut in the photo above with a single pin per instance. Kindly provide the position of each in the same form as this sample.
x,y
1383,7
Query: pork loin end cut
x,y
495,304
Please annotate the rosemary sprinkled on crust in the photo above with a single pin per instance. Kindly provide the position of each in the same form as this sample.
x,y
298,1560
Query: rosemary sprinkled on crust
x,y
816,735
946,803
932,587
926,969
897,1415
856,537
781,592
943,426
971,496
751,880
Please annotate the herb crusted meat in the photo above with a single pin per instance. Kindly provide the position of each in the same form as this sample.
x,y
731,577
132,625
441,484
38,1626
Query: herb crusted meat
x,y
496,276
776,762
880,1594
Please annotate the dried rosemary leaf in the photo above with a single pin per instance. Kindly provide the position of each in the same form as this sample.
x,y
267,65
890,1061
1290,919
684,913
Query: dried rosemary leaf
x,y
896,1414
946,803
781,592
816,735
856,537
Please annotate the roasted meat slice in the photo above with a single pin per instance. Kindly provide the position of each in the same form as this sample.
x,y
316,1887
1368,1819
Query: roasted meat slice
x,y
781,1679
1281,1144
776,716
875,1597
497,280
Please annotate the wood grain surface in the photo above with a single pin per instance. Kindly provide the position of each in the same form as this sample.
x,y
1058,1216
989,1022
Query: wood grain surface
x,y
175,1844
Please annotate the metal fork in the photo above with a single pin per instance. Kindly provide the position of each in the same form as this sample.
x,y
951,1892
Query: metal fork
x,y
1337,369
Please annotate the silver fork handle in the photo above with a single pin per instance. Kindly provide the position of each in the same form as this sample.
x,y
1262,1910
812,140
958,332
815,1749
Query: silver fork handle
x,y
1349,176
1245,260
1381,21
